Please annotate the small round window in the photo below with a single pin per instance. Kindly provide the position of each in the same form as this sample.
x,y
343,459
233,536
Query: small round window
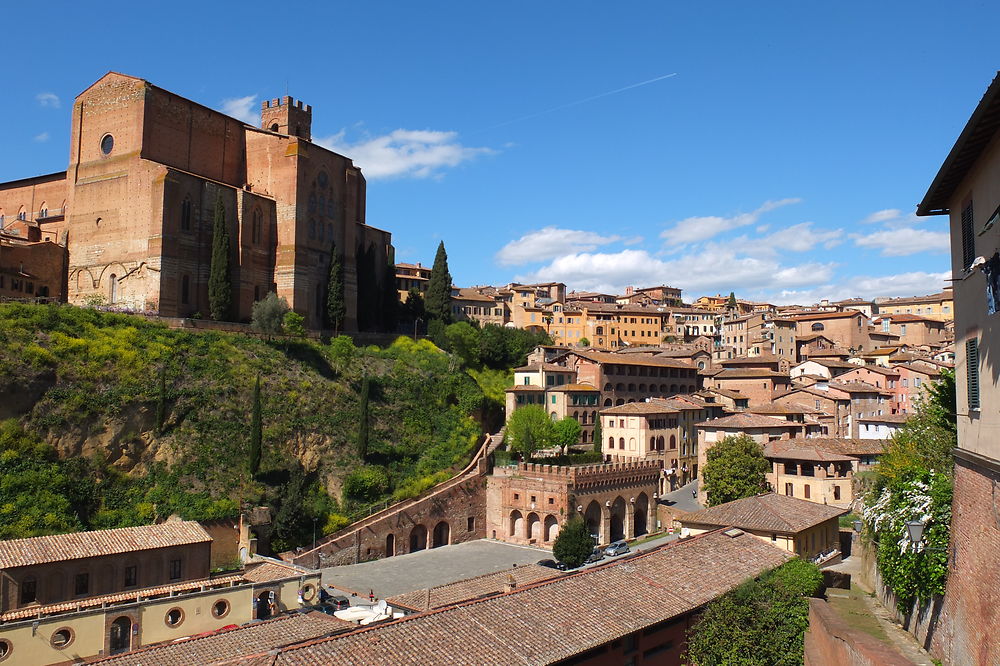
x,y
174,617
62,638
107,144
220,608
6,647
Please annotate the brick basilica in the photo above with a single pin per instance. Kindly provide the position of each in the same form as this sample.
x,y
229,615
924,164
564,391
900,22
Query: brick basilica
x,y
133,211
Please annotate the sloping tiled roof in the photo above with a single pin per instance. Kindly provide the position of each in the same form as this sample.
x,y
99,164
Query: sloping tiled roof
x,y
548,367
845,445
747,420
573,387
767,513
749,373
226,645
802,449
471,588
556,619
60,547
638,408
632,359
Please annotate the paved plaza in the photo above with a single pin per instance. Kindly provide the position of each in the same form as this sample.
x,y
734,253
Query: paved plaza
x,y
428,568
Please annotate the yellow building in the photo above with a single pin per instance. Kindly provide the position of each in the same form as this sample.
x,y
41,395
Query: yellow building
x,y
938,306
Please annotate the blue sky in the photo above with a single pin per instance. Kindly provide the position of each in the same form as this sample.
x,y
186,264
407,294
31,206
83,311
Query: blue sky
x,y
782,160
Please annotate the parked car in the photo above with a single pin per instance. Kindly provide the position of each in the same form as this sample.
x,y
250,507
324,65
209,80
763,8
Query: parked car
x,y
595,556
616,548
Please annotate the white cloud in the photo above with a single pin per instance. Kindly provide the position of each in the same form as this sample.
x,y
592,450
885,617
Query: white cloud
x,y
893,217
549,243
710,269
48,99
700,228
401,153
800,237
42,138
903,241
243,108
915,283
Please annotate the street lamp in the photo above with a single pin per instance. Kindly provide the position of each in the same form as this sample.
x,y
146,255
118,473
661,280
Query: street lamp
x,y
914,532
857,526
415,322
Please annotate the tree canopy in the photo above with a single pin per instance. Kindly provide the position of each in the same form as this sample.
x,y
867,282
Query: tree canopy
x,y
529,428
736,468
438,298
573,544
269,314
566,433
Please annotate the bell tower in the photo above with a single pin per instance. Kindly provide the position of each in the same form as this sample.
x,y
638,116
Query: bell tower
x,y
286,116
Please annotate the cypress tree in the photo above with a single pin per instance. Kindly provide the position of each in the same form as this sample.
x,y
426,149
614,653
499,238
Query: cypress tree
x,y
363,419
390,300
336,306
256,430
161,400
438,298
220,290
732,300
598,435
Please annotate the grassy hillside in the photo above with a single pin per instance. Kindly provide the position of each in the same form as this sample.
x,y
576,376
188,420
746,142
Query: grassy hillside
x,y
159,421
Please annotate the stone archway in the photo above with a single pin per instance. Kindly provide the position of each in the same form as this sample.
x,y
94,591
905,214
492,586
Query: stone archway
x,y
418,538
640,517
594,518
120,638
618,519
516,524
534,530
442,534
390,545
551,528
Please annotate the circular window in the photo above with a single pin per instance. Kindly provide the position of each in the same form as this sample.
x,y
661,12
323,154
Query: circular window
x,y
62,638
308,592
174,617
220,608
107,144
6,648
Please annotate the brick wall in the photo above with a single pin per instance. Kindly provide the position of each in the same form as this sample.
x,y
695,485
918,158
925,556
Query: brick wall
x,y
968,630
830,641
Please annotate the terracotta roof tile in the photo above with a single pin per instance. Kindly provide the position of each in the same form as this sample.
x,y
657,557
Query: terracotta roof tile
x,y
471,588
767,512
747,420
630,359
224,646
558,618
803,449
59,547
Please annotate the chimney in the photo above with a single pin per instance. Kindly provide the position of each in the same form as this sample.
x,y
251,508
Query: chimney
x,y
510,584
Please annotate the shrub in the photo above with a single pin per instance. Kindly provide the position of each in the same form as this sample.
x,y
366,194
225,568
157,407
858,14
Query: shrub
x,y
366,484
268,315
294,324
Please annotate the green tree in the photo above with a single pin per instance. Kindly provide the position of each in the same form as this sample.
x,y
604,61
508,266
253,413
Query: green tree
x,y
566,432
364,418
294,324
731,303
463,341
736,468
529,428
573,544
366,484
390,300
413,309
598,435
583,342
268,314
220,288
336,305
759,623
256,430
438,298
161,399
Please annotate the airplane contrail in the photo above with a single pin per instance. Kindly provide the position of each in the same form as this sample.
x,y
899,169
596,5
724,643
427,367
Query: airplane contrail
x,y
578,102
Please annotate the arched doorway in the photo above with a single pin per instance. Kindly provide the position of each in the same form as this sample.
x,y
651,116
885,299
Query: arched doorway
x,y
593,518
516,524
442,534
418,538
120,639
618,519
641,511
534,527
551,528
390,545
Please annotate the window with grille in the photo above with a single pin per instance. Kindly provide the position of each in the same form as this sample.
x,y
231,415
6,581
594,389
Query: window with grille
x,y
972,371
968,237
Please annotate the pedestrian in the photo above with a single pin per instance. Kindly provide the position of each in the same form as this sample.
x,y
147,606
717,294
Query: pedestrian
x,y
371,596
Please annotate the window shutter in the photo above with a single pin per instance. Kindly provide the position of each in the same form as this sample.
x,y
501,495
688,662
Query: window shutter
x,y
972,371
968,238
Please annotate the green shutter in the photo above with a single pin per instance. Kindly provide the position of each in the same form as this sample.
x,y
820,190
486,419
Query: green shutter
x,y
972,371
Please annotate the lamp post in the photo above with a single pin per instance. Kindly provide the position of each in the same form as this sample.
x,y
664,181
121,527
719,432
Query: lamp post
x,y
415,322
915,531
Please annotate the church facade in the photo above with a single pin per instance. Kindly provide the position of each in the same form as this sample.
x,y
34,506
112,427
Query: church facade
x,y
134,209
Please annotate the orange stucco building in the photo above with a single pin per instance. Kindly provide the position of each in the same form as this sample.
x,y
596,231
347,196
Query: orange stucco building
x,y
135,206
